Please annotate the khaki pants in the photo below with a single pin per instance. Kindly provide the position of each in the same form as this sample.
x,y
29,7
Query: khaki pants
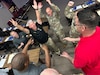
x,y
52,44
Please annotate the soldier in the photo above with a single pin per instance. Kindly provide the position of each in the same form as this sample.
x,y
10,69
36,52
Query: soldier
x,y
54,20
70,14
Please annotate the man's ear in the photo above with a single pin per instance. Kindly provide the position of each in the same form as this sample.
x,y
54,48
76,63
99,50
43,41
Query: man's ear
x,y
26,64
83,28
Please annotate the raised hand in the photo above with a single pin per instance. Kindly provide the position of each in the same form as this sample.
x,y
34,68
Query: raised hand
x,y
40,5
13,22
70,3
30,41
49,1
22,44
35,4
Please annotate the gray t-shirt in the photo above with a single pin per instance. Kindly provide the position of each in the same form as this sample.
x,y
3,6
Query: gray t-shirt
x,y
3,73
22,38
32,70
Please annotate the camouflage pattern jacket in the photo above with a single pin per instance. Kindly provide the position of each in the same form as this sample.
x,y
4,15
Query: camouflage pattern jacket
x,y
73,30
54,20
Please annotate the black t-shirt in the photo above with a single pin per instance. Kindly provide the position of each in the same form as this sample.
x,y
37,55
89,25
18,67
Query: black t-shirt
x,y
40,35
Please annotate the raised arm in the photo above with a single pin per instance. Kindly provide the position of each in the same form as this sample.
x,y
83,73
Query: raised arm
x,y
30,41
40,5
19,26
35,6
53,6
47,56
67,12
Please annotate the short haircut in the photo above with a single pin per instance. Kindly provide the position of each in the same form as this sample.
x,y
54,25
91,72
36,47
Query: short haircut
x,y
13,31
19,60
29,21
88,17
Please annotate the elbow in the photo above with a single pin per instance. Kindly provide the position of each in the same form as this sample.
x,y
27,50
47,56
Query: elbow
x,y
78,66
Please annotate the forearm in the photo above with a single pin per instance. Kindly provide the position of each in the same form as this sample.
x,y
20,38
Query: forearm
x,y
19,46
54,7
76,39
47,59
68,13
38,16
22,29
42,15
25,49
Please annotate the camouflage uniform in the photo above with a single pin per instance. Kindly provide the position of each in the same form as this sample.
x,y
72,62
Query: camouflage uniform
x,y
52,44
43,16
50,41
70,14
55,24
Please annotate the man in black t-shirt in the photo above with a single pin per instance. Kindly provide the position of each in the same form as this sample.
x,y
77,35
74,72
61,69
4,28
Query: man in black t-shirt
x,y
38,34
35,29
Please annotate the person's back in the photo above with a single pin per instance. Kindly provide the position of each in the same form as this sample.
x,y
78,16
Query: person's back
x,y
24,67
87,52
89,48
31,70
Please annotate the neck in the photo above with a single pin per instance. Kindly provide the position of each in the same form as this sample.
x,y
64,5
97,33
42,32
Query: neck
x,y
88,33
35,28
17,36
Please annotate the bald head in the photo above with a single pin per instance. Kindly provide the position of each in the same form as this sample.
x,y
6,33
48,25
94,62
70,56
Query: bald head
x,y
20,61
50,71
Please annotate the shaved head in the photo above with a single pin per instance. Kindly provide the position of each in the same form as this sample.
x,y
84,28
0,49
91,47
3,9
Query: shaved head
x,y
20,61
50,71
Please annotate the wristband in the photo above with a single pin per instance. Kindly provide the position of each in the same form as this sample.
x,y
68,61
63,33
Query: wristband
x,y
36,9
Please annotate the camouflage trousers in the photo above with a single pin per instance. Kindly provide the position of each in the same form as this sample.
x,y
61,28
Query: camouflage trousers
x,y
73,31
60,34
52,44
